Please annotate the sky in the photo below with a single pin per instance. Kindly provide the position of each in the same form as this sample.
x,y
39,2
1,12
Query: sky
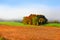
x,y
17,9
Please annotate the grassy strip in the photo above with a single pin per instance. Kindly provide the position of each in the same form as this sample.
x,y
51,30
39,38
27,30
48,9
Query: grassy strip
x,y
21,24
53,24
12,23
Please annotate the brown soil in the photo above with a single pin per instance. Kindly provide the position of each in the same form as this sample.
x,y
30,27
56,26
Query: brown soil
x,y
29,33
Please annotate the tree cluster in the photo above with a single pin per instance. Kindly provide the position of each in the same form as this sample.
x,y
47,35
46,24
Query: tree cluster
x,y
34,19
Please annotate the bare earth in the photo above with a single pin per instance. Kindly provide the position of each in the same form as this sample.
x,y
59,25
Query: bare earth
x,y
29,33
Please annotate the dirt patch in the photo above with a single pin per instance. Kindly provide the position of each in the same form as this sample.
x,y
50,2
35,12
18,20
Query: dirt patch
x,y
29,33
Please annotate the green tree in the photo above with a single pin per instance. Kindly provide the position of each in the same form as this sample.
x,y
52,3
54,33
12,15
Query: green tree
x,y
34,20
41,19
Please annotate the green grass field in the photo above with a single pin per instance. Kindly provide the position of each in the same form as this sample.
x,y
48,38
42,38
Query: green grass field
x,y
12,23
21,24
53,24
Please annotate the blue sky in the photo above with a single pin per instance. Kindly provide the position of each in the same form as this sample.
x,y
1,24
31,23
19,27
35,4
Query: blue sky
x,y
29,2
17,9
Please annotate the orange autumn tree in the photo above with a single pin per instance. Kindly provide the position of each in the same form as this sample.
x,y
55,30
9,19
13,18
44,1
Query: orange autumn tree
x,y
27,20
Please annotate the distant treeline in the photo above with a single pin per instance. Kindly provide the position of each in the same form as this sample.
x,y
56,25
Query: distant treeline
x,y
54,21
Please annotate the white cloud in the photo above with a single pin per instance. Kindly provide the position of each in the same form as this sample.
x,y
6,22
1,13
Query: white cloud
x,y
7,12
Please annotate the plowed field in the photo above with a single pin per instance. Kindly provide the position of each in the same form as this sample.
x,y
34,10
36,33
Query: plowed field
x,y
30,33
